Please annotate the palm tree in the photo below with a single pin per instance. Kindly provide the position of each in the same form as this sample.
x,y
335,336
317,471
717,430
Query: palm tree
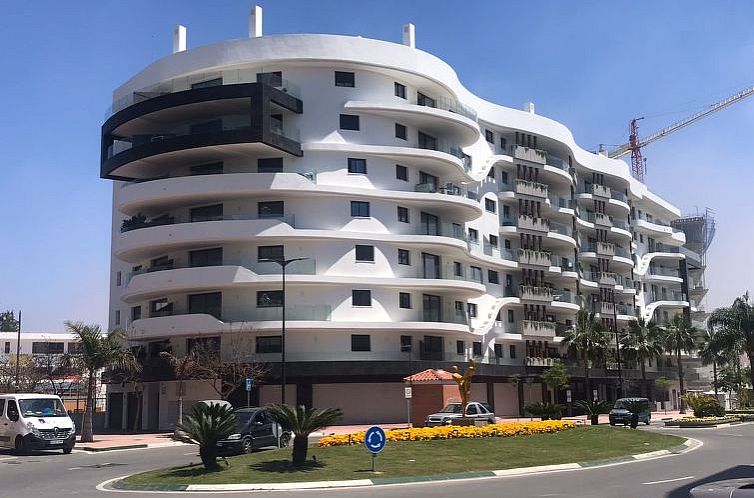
x,y
95,352
642,343
734,329
302,422
711,355
588,340
678,336
206,424
184,368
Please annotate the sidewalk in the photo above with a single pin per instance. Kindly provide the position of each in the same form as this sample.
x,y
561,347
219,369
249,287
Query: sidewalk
x,y
108,442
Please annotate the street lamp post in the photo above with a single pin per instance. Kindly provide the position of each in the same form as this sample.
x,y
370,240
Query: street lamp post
x,y
18,351
283,264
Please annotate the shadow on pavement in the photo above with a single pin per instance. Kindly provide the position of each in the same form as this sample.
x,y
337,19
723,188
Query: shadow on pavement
x,y
737,472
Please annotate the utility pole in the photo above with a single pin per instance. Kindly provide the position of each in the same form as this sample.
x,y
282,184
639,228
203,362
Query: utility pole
x,y
18,350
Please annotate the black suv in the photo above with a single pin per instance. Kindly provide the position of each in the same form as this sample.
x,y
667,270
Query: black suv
x,y
256,430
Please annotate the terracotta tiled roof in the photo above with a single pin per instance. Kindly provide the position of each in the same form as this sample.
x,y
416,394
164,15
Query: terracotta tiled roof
x,y
430,375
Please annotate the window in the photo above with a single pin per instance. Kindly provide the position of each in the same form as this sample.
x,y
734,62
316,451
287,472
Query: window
x,y
269,299
212,126
471,410
494,241
491,173
273,78
422,99
401,172
498,350
206,257
503,143
210,303
490,205
118,278
406,343
404,300
504,177
403,214
356,165
460,348
507,244
7,347
349,122
136,313
47,347
117,318
160,307
269,344
207,169
404,257
473,235
203,344
511,318
270,209
400,90
270,165
493,277
360,209
364,253
207,213
361,297
475,273
512,351
427,141
457,269
489,136
343,78
266,253
360,342
400,131
472,310
476,348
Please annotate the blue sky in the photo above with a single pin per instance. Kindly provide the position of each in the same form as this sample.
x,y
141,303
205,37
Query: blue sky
x,y
592,65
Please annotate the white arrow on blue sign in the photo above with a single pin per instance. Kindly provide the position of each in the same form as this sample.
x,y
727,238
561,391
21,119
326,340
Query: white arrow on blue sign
x,y
249,384
374,439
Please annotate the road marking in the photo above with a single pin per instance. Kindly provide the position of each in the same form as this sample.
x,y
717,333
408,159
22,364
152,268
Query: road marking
x,y
669,480
2,459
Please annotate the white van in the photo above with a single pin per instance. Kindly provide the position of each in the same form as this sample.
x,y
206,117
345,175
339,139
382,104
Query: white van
x,y
35,422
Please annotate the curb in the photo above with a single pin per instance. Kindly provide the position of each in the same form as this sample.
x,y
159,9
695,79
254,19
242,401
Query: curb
x,y
99,449
117,484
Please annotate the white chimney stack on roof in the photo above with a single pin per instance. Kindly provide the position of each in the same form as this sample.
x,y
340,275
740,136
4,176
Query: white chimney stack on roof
x,y
529,107
179,39
255,22
409,35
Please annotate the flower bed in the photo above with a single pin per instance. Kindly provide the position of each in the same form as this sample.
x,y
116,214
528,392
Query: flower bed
x,y
454,432
702,421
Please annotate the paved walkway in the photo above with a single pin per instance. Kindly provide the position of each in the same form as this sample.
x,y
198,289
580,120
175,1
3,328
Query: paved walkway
x,y
105,442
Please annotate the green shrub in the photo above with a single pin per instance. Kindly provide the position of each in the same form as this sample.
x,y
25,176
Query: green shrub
x,y
704,405
545,411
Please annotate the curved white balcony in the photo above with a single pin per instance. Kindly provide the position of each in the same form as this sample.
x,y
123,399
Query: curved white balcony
x,y
144,243
434,120
663,275
668,233
441,163
671,253
168,193
314,320
197,279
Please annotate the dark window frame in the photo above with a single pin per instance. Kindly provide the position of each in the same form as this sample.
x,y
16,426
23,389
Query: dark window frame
x,y
361,296
361,343
349,122
360,209
367,253
357,166
345,79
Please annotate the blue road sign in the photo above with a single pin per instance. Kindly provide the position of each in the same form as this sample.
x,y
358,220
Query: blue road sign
x,y
249,384
374,439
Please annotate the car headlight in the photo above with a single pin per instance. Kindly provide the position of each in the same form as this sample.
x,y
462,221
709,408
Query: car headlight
x,y
234,437
33,429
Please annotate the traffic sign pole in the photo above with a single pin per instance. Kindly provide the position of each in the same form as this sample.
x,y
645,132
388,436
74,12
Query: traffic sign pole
x,y
374,440
249,385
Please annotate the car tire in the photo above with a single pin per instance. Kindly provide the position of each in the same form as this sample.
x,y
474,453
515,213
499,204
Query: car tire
x,y
284,440
647,422
612,423
67,450
247,445
491,421
21,446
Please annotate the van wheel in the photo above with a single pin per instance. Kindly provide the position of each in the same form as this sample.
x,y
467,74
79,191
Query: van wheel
x,y
67,450
21,446
285,440
647,422
247,445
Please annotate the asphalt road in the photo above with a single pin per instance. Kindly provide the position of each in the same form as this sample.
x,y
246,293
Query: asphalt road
x,y
727,453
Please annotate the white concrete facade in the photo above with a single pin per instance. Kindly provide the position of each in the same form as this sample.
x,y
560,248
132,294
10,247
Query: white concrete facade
x,y
480,229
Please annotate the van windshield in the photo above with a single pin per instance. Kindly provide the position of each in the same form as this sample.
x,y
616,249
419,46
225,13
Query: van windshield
x,y
623,404
42,407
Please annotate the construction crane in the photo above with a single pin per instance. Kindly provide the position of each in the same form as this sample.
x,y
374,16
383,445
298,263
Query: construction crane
x,y
634,145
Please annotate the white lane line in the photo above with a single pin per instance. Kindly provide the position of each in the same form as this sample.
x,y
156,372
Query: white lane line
x,y
2,459
669,480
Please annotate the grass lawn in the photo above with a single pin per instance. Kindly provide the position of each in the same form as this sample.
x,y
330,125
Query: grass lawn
x,y
422,458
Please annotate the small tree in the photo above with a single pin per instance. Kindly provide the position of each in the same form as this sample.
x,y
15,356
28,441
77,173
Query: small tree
x,y
207,424
663,384
679,336
302,422
516,379
184,368
94,353
556,378
588,340
8,322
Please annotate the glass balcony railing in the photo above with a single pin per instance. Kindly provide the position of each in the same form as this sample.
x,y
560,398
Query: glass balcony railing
x,y
447,189
618,196
668,296
564,296
447,148
214,78
561,202
303,267
557,162
665,272
561,228
137,222
448,104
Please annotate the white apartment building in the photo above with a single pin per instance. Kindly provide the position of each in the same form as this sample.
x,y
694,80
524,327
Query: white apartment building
x,y
36,343
436,226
